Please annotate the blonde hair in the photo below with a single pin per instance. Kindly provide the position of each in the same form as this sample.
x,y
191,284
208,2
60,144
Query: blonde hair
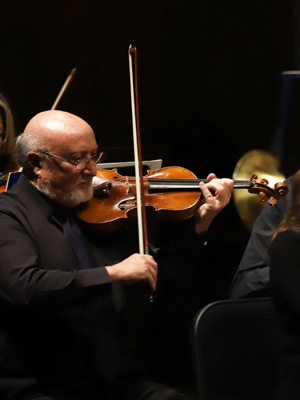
x,y
7,151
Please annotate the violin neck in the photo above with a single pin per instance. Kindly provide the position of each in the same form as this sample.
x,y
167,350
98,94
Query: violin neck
x,y
190,184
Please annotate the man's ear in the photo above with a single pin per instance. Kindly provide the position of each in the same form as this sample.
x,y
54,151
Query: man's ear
x,y
34,161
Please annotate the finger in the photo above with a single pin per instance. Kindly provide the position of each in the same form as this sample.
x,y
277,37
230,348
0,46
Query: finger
x,y
205,190
150,260
153,265
216,186
150,270
153,272
220,185
211,176
229,182
152,281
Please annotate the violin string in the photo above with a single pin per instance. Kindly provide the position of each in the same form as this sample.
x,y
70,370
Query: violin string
x,y
192,184
189,182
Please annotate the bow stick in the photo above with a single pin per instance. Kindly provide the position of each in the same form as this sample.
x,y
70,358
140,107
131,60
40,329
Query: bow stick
x,y
64,87
141,212
141,215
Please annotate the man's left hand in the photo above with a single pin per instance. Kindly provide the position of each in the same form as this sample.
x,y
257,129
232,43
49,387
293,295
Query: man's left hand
x,y
216,195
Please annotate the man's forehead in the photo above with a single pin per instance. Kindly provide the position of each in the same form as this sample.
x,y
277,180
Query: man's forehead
x,y
56,121
59,131
66,125
70,139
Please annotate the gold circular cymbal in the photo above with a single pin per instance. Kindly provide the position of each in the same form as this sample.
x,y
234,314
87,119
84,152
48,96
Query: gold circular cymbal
x,y
266,166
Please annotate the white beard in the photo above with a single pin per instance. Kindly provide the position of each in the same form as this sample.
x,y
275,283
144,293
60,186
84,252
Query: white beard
x,y
66,198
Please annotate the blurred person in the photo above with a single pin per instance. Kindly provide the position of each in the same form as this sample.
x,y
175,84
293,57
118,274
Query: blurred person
x,y
8,161
285,290
252,278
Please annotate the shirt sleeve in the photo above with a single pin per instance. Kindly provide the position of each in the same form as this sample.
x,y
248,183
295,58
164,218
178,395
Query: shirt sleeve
x,y
26,281
252,276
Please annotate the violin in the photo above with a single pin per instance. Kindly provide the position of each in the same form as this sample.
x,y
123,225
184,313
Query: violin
x,y
172,192
3,180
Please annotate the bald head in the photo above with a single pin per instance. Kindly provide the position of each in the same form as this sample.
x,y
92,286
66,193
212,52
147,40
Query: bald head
x,y
55,131
53,127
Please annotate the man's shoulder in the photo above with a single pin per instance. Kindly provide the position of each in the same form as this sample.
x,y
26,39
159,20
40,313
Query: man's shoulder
x,y
18,199
9,200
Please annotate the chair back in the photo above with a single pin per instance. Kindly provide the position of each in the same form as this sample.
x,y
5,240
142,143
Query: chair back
x,y
236,348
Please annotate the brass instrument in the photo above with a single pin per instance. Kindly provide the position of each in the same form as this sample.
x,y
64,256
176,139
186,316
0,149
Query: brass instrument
x,y
266,166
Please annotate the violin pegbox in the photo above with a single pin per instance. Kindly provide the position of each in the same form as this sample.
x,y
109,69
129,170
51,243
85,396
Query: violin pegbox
x,y
280,190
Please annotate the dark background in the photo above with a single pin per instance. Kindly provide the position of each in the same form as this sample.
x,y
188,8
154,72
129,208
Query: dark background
x,y
209,71
209,77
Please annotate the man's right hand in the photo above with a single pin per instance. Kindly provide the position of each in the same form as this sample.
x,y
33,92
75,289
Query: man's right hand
x,y
136,268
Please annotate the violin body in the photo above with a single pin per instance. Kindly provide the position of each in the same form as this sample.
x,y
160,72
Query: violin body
x,y
172,192
114,201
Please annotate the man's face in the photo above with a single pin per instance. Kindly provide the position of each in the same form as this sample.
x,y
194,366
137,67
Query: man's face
x,y
59,179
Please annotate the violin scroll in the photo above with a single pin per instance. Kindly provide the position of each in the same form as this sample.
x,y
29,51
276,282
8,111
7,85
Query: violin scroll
x,y
280,190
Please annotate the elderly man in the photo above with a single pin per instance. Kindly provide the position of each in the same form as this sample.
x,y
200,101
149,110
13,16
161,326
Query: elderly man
x,y
63,331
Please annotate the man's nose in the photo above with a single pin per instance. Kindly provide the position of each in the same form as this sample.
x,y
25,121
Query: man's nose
x,y
90,168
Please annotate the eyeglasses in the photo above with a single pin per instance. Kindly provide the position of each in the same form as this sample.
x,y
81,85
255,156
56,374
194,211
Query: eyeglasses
x,y
79,162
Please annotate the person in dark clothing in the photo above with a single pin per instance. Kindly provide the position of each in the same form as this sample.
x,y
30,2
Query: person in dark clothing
x,y
64,331
252,278
285,290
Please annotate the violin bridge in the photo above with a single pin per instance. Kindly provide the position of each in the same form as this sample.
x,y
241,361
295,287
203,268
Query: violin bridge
x,y
127,185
